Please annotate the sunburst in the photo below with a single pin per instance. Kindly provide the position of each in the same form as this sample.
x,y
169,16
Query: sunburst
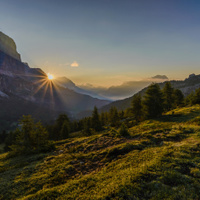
x,y
46,86
50,76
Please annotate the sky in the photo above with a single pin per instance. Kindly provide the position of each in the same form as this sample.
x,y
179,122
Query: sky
x,y
106,42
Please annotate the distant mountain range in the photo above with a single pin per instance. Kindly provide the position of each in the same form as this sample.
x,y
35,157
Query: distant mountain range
x,y
67,83
114,92
124,90
186,86
25,90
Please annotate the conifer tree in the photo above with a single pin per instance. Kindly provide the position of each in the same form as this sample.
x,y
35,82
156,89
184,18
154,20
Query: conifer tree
x,y
87,126
196,97
190,99
113,116
39,137
103,119
168,96
178,98
62,118
153,101
121,114
136,107
96,123
30,137
65,130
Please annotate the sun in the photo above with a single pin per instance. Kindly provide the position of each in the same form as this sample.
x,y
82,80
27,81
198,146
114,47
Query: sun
x,y
50,76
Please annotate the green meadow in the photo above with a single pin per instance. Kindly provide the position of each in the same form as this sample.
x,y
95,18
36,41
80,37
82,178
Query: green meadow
x,y
160,159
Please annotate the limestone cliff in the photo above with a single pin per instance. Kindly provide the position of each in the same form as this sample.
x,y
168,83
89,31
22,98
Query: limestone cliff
x,y
8,46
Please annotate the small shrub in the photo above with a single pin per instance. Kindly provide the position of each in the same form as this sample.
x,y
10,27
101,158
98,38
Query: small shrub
x,y
123,131
195,172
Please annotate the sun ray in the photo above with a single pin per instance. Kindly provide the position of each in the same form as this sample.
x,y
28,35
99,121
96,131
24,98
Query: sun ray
x,y
48,89
45,91
40,87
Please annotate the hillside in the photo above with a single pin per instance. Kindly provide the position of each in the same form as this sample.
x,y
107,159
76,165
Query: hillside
x,y
186,86
160,160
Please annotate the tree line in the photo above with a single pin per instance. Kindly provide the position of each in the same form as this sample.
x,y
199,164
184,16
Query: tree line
x,y
31,137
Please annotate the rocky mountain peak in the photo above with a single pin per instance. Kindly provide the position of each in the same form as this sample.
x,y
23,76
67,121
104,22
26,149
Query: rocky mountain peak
x,y
191,75
8,46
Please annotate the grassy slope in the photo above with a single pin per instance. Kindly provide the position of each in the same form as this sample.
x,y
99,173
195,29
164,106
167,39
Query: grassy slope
x,y
161,160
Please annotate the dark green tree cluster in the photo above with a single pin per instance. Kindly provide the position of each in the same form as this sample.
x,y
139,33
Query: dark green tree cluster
x,y
61,128
94,123
113,117
30,137
155,101
172,97
136,107
97,121
193,98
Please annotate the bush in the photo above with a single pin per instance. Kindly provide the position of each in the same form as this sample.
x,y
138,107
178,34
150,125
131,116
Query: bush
x,y
123,131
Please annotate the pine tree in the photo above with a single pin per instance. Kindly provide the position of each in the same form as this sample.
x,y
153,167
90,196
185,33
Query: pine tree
x,y
121,114
25,132
136,107
178,98
96,123
190,99
39,137
168,96
10,140
87,126
30,137
65,130
103,119
153,101
62,118
196,99
113,117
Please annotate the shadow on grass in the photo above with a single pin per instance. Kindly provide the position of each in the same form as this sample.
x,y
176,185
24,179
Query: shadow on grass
x,y
14,173
177,117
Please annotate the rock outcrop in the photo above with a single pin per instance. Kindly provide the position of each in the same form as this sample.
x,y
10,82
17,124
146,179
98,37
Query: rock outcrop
x,y
11,66
8,46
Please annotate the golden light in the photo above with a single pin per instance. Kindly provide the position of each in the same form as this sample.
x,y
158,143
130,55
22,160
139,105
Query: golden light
x,y
50,76
46,83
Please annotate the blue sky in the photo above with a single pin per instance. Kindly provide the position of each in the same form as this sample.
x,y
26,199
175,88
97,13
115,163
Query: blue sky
x,y
106,42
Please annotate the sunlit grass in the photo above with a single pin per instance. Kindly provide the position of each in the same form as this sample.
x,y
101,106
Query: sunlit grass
x,y
159,160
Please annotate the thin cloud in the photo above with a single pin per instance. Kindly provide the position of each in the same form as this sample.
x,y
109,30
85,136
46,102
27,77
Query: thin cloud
x,y
74,64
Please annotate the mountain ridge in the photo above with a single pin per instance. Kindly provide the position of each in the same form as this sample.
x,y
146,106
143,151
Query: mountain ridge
x,y
67,83
186,86
23,84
